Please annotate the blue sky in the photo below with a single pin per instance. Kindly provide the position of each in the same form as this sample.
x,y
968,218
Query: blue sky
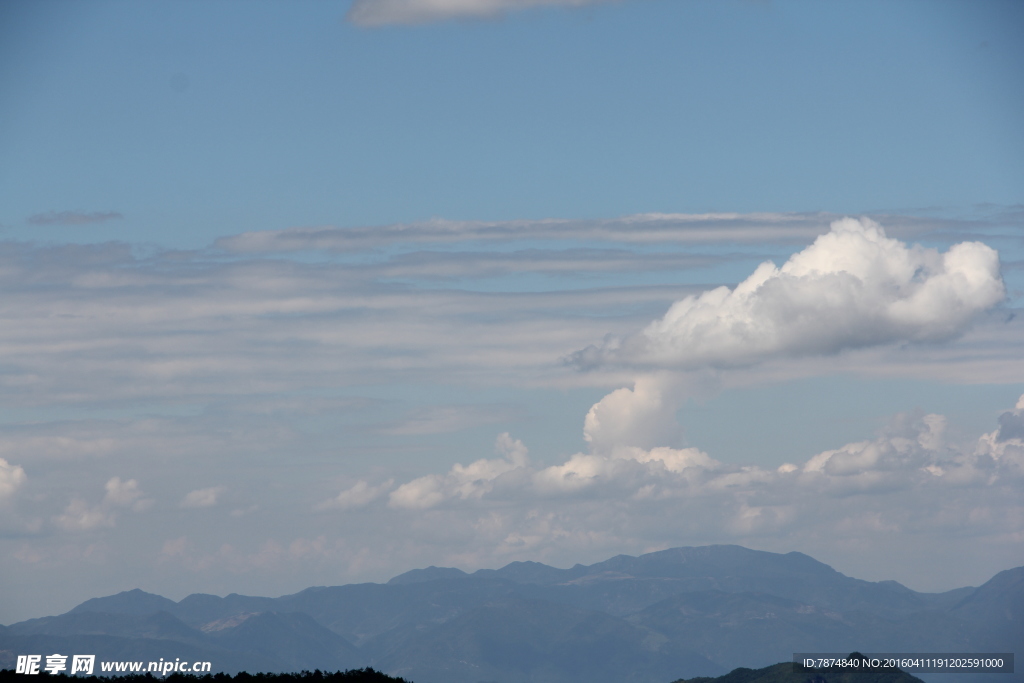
x,y
317,292
195,120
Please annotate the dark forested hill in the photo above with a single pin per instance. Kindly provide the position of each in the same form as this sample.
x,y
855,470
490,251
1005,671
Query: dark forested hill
x,y
786,672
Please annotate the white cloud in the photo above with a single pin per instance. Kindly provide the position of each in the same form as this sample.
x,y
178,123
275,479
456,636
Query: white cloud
x,y
419,494
358,495
852,288
641,416
122,493
80,516
1006,444
383,12
462,482
908,491
907,483
11,479
202,498
676,460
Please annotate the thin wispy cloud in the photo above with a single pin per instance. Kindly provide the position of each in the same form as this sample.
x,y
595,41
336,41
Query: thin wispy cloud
x,y
385,12
720,228
444,419
113,327
638,230
73,217
561,262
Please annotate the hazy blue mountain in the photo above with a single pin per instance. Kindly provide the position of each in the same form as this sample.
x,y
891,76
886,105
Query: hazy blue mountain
x,y
519,640
160,625
532,572
945,600
129,602
431,573
254,642
749,628
682,612
199,609
361,611
745,629
114,648
726,568
625,584
1002,595
995,612
294,640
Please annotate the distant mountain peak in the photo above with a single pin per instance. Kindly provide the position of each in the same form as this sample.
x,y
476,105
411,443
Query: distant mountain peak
x,y
134,601
431,573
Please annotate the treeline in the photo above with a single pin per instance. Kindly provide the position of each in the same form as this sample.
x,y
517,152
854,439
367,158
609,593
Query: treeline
x,y
366,675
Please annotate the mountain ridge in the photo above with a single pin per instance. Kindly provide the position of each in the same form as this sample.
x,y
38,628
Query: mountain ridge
x,y
681,612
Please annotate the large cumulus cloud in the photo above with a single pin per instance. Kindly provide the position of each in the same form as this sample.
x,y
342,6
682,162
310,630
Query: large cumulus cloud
x,y
853,287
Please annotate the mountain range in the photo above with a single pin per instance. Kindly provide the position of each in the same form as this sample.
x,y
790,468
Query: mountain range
x,y
678,613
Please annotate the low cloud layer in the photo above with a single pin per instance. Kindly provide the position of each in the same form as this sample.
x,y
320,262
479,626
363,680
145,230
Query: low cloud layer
x,y
852,288
911,453
908,482
384,12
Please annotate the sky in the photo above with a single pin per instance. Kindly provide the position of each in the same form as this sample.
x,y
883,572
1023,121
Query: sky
x,y
314,293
